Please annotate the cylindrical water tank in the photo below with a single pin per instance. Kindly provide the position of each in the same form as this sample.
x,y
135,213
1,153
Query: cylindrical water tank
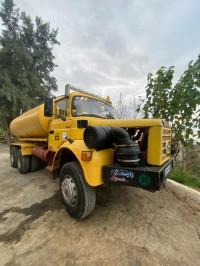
x,y
32,124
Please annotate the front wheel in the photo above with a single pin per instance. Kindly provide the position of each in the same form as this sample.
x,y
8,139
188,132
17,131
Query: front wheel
x,y
78,197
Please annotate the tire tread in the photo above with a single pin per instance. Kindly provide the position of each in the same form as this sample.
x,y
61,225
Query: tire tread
x,y
34,163
90,194
25,163
14,150
89,191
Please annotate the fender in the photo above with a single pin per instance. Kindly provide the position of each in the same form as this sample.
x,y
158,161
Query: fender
x,y
92,169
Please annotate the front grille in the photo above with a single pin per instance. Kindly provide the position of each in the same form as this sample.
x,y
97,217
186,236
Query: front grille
x,y
166,144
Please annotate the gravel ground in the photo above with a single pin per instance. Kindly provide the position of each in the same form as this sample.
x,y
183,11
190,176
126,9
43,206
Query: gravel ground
x,y
129,226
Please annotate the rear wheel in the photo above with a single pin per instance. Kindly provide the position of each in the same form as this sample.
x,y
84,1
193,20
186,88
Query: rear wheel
x,y
78,197
23,162
34,163
13,156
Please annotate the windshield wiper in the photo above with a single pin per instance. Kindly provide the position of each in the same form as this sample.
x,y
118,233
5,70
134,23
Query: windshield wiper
x,y
110,116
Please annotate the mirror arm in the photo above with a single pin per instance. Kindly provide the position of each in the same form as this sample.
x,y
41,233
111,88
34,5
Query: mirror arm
x,y
63,118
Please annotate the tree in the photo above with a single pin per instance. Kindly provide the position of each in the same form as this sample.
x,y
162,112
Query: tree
x,y
178,104
127,109
26,62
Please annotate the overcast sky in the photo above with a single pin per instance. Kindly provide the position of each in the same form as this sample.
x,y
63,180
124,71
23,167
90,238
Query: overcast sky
x,y
111,45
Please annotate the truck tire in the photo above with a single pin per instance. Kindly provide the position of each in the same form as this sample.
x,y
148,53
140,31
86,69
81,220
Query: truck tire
x,y
78,197
13,156
23,162
34,163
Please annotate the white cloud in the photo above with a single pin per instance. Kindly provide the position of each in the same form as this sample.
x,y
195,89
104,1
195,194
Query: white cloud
x,y
112,44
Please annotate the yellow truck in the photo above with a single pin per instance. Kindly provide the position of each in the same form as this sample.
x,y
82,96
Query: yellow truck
x,y
83,143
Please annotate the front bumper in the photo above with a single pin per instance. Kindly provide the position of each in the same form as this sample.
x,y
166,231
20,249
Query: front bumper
x,y
150,177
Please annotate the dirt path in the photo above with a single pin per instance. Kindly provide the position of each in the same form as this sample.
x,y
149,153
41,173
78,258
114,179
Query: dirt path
x,y
129,226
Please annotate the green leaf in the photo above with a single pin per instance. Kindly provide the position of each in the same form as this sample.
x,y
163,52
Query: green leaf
x,y
26,61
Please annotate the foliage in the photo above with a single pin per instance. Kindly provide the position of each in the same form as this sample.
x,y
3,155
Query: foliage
x,y
185,177
127,109
192,159
26,61
2,132
177,104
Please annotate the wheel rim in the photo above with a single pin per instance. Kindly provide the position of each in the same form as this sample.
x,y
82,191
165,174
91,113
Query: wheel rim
x,y
19,162
69,191
12,157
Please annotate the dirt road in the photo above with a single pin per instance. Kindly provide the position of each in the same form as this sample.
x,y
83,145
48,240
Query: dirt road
x,y
129,226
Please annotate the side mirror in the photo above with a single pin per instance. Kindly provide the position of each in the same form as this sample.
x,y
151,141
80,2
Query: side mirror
x,y
48,107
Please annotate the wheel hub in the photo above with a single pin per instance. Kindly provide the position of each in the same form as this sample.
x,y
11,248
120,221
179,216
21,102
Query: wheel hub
x,y
11,157
19,162
69,191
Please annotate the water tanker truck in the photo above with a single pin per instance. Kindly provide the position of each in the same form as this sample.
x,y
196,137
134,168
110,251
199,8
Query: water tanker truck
x,y
83,144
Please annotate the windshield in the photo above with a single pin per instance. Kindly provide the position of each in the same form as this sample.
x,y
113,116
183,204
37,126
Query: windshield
x,y
86,106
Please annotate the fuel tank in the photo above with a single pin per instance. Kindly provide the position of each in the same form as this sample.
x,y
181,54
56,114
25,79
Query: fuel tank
x,y
32,124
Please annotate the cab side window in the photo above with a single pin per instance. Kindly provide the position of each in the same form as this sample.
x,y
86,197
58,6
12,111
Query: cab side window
x,y
62,108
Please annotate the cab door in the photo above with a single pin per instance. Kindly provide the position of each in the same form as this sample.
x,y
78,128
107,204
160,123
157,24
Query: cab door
x,y
60,125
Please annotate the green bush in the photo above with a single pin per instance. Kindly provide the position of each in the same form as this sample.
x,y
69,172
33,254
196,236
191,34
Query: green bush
x,y
2,132
185,177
